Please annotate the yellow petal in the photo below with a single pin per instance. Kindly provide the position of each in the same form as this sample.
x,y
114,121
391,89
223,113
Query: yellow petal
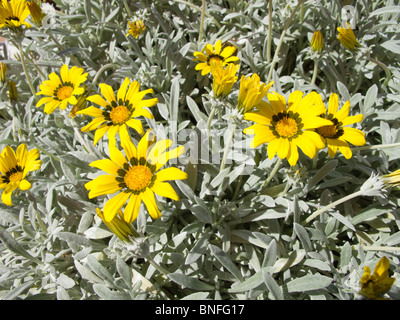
x,y
171,173
150,202
114,204
164,189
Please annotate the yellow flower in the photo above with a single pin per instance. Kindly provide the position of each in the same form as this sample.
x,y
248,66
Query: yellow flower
x,y
288,126
118,112
375,285
3,71
136,176
61,92
223,79
13,170
392,179
118,226
136,28
36,12
251,92
336,135
317,42
12,91
13,14
219,54
347,38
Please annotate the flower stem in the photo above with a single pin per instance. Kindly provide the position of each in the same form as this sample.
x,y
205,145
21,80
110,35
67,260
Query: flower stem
x,y
274,171
203,13
378,146
269,32
332,205
316,61
157,266
227,147
275,59
383,66
28,77
210,117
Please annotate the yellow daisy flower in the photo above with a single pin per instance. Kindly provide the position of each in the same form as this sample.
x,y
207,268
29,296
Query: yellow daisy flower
x,y
375,285
336,135
347,38
118,112
61,92
223,79
136,176
136,28
118,226
13,14
212,54
288,126
14,168
317,42
251,92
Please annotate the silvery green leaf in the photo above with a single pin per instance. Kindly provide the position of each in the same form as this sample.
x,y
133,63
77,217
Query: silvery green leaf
x,y
196,296
106,294
86,273
345,255
100,271
201,213
65,281
14,293
302,234
189,282
124,271
197,250
222,257
98,233
308,283
272,286
385,10
270,254
14,246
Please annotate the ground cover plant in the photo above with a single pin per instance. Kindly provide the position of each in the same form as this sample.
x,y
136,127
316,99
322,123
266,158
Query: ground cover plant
x,y
199,149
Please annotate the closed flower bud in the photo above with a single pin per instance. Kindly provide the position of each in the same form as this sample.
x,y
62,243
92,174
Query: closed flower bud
x,y
3,71
317,42
12,91
36,13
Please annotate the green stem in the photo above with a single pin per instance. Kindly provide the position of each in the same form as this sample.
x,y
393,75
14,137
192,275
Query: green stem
x,y
198,9
383,66
227,147
210,117
275,59
101,70
60,46
332,205
203,13
375,147
274,171
315,72
28,77
269,32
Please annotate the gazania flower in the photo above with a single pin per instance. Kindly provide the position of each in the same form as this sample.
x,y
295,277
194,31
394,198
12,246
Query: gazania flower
x,y
118,112
136,177
288,126
13,14
61,92
375,285
336,135
14,168
251,92
347,38
317,42
392,179
118,226
212,54
136,28
223,79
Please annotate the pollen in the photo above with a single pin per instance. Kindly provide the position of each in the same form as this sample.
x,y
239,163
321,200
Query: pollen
x,y
15,177
138,178
64,92
215,59
328,131
286,127
119,114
